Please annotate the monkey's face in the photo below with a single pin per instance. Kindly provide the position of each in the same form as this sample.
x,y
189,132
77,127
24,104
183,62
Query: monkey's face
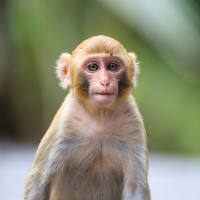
x,y
102,74
102,79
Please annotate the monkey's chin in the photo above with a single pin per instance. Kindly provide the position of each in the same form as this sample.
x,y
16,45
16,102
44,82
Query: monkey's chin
x,y
104,99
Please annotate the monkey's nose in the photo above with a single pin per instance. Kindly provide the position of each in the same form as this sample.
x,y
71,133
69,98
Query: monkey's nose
x,y
105,83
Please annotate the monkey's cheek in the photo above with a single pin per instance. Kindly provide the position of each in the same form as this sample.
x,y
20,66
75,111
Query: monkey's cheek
x,y
104,99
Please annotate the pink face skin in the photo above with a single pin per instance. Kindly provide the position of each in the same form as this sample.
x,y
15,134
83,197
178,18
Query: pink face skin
x,y
103,73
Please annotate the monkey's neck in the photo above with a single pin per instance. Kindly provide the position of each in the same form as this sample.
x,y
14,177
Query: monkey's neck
x,y
99,111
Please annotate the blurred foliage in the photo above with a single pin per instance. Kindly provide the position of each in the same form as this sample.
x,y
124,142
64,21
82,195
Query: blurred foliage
x,y
164,34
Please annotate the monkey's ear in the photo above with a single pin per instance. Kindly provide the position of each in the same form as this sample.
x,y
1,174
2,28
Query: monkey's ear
x,y
62,70
136,69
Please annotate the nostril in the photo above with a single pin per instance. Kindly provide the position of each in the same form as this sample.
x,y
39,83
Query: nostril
x,y
105,84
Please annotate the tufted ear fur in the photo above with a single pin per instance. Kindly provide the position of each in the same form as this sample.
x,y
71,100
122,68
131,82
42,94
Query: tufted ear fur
x,y
62,70
135,68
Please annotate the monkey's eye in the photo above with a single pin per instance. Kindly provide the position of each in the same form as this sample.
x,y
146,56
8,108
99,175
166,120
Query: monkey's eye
x,y
92,67
113,66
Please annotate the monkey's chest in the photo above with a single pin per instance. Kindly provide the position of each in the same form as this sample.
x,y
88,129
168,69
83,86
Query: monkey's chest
x,y
91,173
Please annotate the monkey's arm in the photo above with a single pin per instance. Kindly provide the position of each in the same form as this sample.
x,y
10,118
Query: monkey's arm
x,y
39,178
135,166
44,166
135,179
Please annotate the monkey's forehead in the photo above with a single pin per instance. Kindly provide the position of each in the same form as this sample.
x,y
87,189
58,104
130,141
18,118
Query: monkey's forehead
x,y
104,57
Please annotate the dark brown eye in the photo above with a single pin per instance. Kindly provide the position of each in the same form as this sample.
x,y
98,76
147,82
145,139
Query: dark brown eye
x,y
113,66
92,67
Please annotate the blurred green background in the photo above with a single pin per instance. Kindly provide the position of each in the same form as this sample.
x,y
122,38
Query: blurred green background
x,y
165,35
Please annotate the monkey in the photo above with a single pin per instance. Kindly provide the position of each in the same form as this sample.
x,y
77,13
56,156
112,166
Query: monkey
x,y
96,146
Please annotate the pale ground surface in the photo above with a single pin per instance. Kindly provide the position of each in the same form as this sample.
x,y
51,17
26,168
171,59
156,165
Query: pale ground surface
x,y
170,177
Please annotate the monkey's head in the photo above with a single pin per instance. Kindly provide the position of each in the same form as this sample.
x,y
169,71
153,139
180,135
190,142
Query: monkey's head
x,y
99,71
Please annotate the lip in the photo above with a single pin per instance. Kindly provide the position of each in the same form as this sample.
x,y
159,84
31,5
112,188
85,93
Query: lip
x,y
104,93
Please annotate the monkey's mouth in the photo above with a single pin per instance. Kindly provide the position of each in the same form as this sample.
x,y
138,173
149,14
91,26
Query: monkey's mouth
x,y
104,98
104,93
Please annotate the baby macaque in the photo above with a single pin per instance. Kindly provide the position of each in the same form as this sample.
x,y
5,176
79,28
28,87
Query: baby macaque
x,y
95,148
